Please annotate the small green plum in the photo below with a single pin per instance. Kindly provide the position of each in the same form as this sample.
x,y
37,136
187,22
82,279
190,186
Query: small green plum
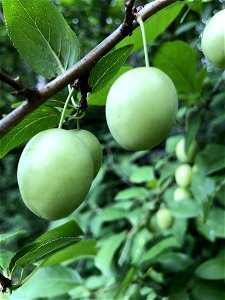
x,y
55,173
164,218
182,155
213,40
93,145
181,193
141,108
183,175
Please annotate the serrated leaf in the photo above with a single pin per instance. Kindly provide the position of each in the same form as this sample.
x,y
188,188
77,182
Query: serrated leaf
x,y
41,35
212,269
108,67
6,236
69,229
85,248
42,119
159,248
43,249
154,26
52,281
99,98
178,60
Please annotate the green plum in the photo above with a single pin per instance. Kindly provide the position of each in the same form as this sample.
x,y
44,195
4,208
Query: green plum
x,y
164,218
93,145
213,40
183,175
181,193
141,108
184,156
55,173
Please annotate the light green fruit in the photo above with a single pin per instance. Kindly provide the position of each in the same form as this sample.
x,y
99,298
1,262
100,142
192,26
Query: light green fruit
x,y
55,173
213,40
181,193
93,145
141,108
184,156
183,175
164,218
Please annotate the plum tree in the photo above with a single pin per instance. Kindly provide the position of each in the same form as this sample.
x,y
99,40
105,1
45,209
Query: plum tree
x,y
213,40
181,193
183,175
93,145
55,173
164,218
141,108
182,155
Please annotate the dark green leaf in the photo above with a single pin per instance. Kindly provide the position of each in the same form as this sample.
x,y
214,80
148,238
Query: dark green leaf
x,y
48,282
41,35
154,26
192,132
212,269
42,119
185,208
159,248
44,249
69,229
108,67
211,159
174,262
99,98
6,236
178,60
128,278
85,248
205,290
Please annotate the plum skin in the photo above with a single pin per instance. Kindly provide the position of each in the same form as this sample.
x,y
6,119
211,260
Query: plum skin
x,y
141,108
55,173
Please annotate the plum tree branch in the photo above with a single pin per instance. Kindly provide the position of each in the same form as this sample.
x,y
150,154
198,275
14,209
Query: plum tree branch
x,y
78,70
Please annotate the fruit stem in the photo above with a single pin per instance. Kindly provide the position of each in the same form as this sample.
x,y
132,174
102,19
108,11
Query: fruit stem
x,y
65,107
141,23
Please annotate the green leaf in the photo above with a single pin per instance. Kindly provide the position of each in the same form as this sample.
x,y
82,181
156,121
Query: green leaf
x,y
41,35
214,227
107,250
159,248
5,258
142,174
192,131
99,98
42,119
132,193
48,282
44,249
178,60
80,292
185,208
154,26
211,159
69,229
174,262
82,249
205,290
6,236
108,67
125,283
212,269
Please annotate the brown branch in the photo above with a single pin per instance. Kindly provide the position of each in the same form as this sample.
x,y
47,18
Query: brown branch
x,y
14,83
81,68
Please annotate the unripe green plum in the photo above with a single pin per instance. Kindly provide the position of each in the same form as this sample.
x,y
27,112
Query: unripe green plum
x,y
93,145
184,156
141,108
213,40
183,175
164,218
55,173
181,193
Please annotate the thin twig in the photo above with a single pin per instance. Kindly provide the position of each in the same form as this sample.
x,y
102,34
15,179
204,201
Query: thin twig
x,y
81,68
14,83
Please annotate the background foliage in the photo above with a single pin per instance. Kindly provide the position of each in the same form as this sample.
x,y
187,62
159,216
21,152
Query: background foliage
x,y
133,257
